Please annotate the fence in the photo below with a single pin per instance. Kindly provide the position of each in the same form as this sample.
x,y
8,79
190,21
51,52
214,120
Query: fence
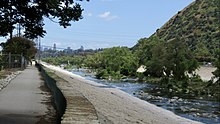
x,y
8,61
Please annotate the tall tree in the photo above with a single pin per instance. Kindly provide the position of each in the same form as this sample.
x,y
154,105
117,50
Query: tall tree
x,y
143,49
217,65
29,14
119,59
155,65
115,61
20,45
179,59
172,57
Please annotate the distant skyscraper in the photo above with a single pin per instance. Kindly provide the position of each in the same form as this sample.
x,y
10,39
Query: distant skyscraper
x,y
68,50
54,47
46,49
82,48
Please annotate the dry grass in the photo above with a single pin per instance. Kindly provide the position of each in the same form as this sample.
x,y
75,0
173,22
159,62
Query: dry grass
x,y
4,73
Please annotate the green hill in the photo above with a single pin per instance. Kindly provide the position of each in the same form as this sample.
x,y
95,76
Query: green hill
x,y
197,25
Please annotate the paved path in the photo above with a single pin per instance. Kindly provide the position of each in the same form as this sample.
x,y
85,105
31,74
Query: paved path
x,y
23,101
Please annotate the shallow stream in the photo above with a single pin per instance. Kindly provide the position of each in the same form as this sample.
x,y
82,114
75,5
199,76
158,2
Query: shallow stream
x,y
198,109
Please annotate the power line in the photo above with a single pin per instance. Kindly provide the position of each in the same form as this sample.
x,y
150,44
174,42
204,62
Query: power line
x,y
52,47
107,34
70,39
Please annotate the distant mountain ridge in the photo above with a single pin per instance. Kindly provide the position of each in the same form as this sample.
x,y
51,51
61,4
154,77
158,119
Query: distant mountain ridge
x,y
198,25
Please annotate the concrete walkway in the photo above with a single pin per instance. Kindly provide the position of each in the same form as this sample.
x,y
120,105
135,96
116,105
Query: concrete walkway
x,y
23,101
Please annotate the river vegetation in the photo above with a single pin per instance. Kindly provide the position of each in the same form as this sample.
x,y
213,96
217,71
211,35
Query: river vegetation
x,y
66,61
111,63
171,65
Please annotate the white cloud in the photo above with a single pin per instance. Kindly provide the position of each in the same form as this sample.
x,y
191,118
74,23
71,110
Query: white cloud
x,y
89,14
106,0
107,16
104,15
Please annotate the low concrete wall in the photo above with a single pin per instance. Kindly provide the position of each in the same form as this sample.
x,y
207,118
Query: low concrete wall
x,y
58,97
72,106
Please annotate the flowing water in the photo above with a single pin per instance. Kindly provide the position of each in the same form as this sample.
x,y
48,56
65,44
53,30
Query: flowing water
x,y
198,109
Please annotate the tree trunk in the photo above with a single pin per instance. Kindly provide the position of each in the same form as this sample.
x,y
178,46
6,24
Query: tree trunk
x,y
11,33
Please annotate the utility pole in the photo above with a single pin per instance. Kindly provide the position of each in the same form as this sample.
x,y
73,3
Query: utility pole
x,y
39,49
10,18
19,29
22,61
9,60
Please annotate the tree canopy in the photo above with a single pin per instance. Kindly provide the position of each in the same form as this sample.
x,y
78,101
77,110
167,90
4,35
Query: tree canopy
x,y
173,58
217,65
29,15
115,61
111,63
20,45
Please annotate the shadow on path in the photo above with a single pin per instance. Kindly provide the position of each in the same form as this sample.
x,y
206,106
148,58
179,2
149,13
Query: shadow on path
x,y
26,101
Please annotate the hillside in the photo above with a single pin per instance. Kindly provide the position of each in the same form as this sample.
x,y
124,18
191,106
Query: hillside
x,y
197,25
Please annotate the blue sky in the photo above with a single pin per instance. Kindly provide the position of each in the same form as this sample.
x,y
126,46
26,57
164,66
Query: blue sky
x,y
109,23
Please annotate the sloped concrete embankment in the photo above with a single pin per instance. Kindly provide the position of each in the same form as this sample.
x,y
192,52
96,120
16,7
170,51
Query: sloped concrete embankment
x,y
72,107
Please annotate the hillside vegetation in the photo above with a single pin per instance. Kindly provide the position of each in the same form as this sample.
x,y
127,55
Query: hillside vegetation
x,y
198,26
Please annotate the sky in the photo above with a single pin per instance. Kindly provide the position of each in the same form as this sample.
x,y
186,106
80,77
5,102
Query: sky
x,y
108,23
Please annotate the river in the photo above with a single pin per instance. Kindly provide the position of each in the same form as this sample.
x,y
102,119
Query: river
x,y
198,109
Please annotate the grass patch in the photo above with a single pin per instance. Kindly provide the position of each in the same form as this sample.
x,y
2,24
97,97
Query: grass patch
x,y
52,74
4,73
